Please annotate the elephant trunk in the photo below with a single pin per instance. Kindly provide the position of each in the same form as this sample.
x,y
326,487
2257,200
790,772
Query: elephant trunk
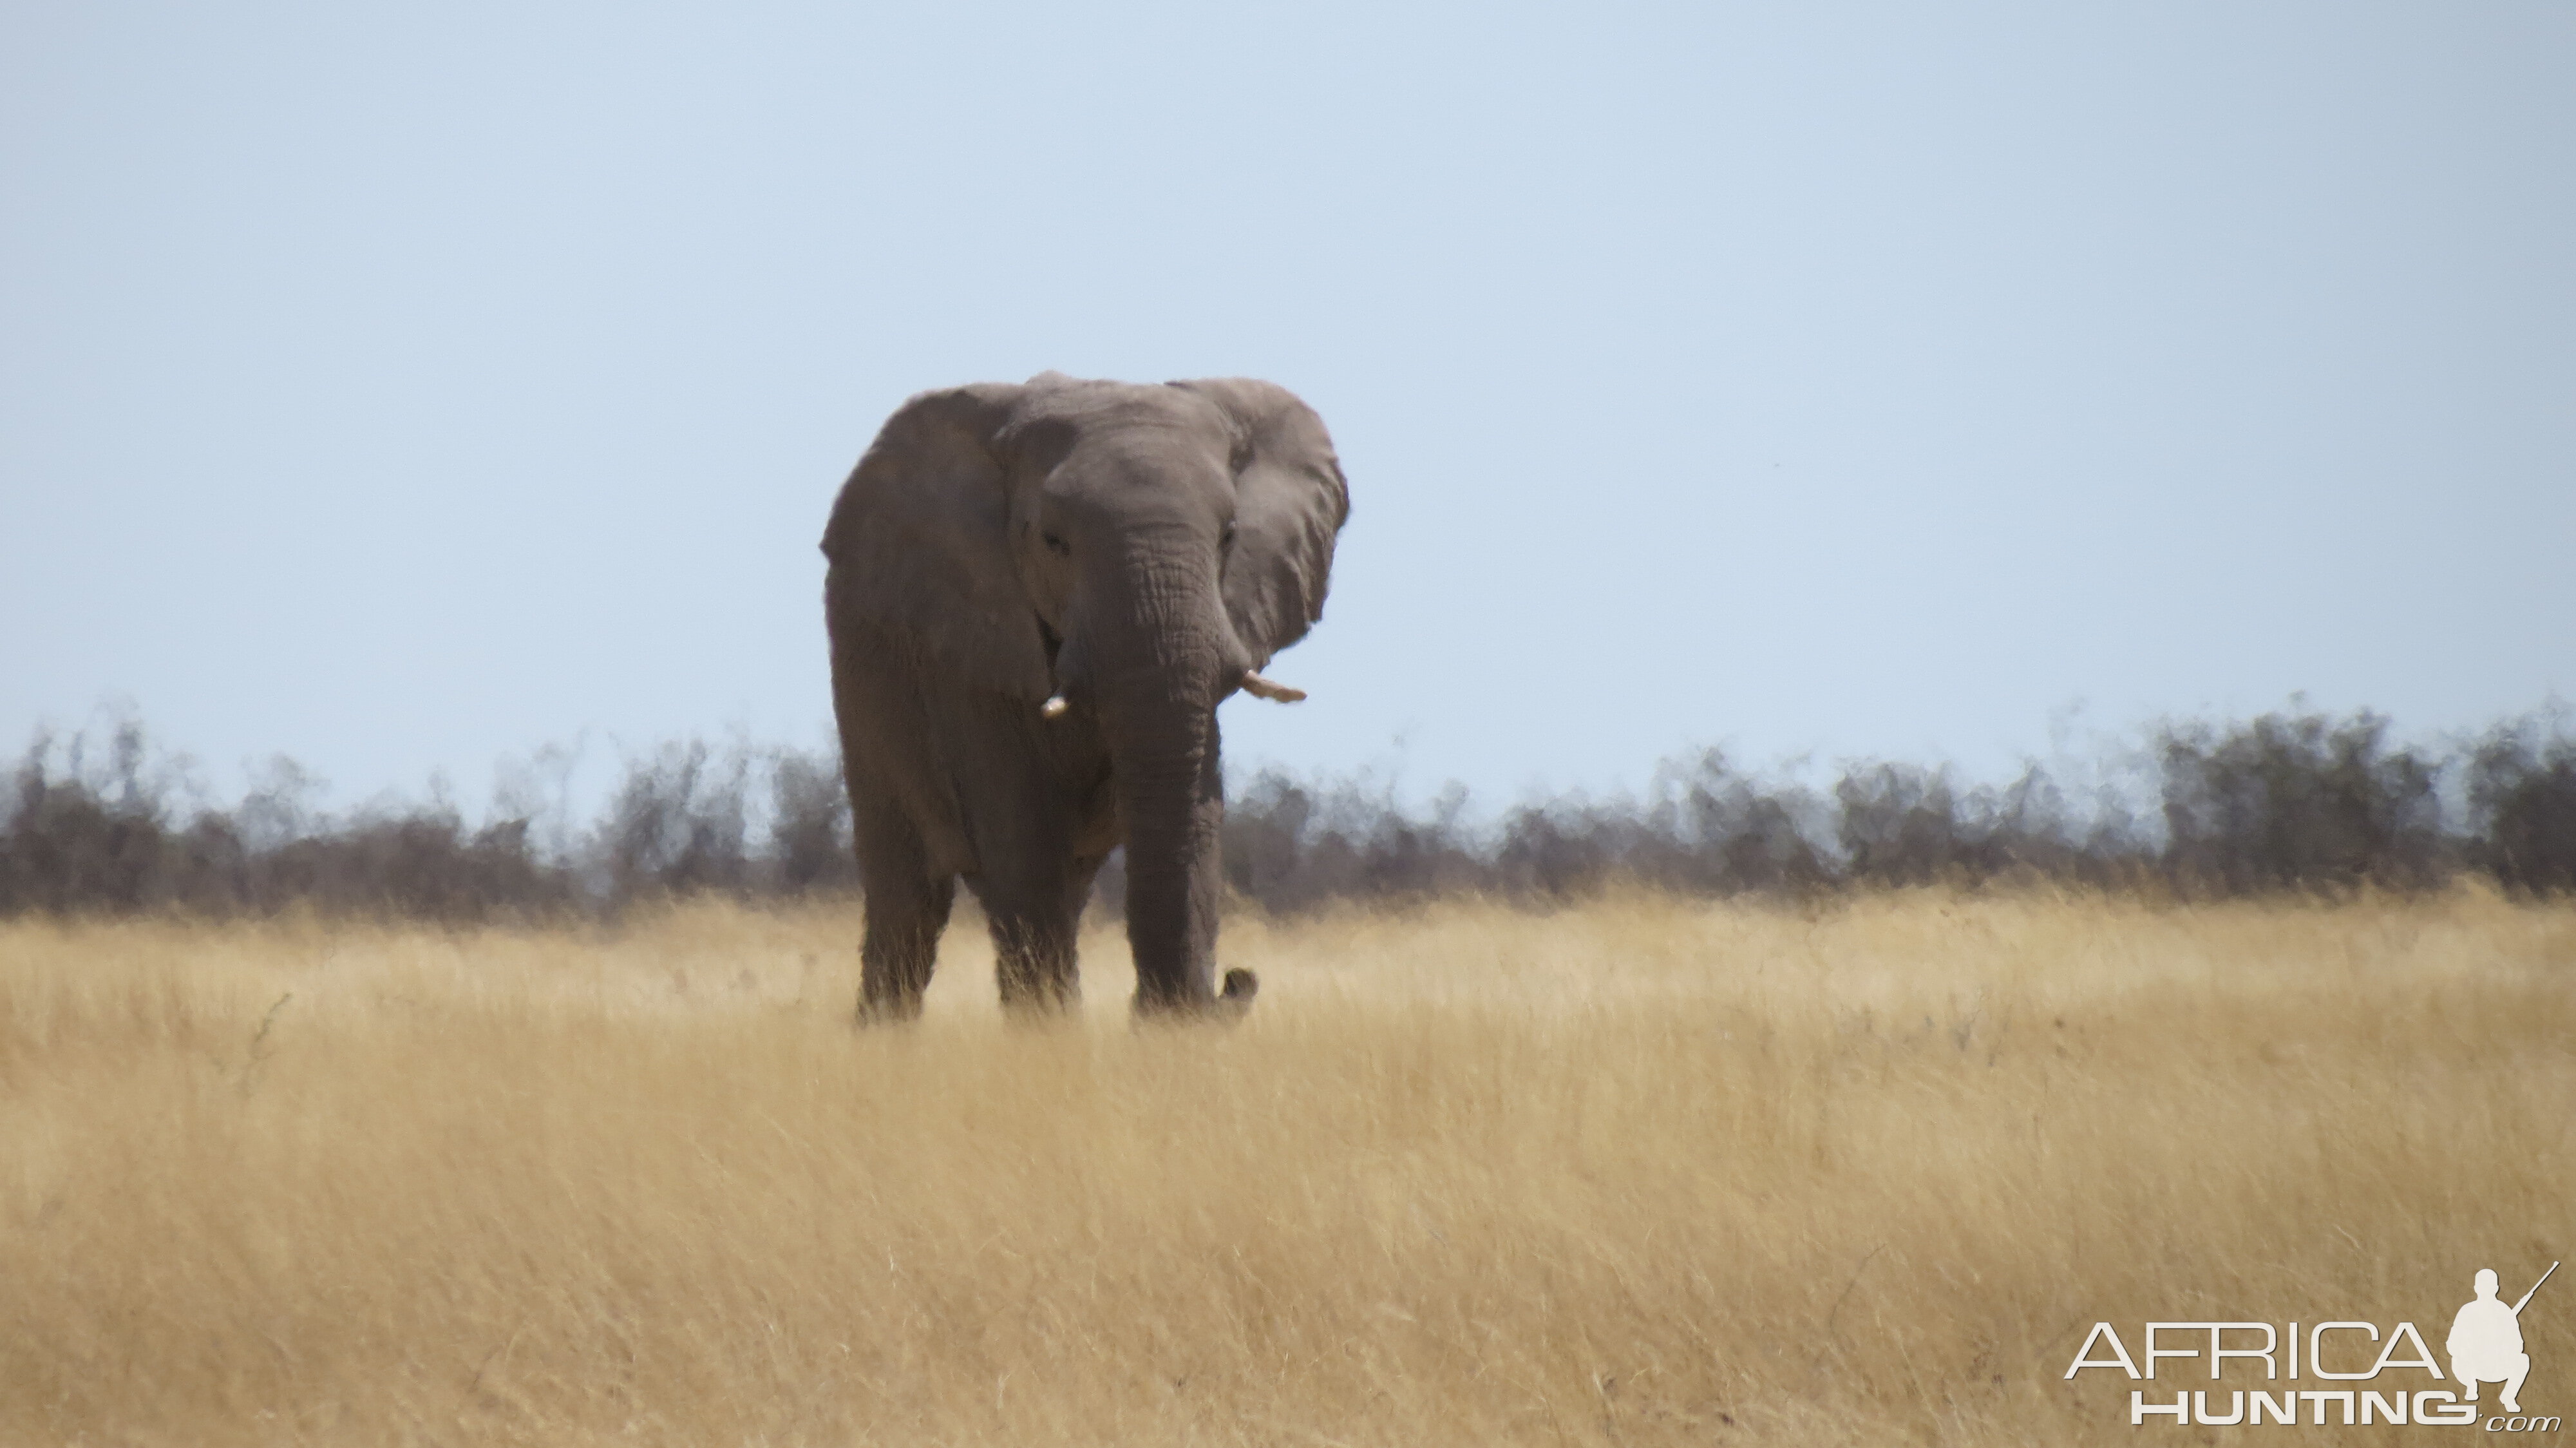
x,y
1158,669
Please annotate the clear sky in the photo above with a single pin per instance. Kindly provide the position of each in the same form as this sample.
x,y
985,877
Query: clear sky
x,y
402,387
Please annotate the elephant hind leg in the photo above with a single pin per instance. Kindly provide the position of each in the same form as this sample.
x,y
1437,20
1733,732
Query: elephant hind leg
x,y
1035,963
1034,922
907,908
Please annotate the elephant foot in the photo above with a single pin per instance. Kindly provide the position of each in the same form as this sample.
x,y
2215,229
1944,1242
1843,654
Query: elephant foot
x,y
1042,1007
1228,1004
872,1013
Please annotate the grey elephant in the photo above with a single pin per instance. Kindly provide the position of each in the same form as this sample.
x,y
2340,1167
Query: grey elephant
x,y
1038,595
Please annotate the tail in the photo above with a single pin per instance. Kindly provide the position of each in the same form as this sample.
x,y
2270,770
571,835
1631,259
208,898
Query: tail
x,y
1241,986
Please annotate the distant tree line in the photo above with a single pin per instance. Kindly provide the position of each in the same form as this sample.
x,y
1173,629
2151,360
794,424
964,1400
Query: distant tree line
x,y
2288,802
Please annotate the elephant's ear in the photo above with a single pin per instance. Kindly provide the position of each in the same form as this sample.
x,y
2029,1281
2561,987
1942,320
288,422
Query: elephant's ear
x,y
1290,502
919,542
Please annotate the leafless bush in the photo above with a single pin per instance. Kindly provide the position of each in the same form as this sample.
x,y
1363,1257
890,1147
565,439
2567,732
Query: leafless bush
x,y
2285,802
809,825
678,823
86,831
2522,805
2300,802
83,835
104,838
1293,846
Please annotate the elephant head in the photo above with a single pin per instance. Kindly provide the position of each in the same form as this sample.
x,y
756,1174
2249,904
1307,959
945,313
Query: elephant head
x,y
1110,557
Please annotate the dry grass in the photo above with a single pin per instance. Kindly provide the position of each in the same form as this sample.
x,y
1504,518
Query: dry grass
x,y
1644,1172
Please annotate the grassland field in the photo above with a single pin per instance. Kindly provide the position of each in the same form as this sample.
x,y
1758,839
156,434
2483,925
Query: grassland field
x,y
1643,1171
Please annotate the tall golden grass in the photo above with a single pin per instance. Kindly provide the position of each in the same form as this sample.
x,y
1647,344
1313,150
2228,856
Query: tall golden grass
x,y
1646,1171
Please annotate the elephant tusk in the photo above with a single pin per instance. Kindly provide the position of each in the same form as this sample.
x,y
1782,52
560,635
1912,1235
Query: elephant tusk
x,y
1053,708
1269,689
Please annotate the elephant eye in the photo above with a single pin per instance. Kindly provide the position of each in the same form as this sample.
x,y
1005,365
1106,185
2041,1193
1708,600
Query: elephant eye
x,y
1055,545
1226,538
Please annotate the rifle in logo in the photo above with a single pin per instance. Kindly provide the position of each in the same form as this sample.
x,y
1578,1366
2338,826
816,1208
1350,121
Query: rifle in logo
x,y
2535,1287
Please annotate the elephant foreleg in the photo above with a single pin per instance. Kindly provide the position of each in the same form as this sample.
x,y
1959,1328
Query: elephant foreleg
x,y
907,908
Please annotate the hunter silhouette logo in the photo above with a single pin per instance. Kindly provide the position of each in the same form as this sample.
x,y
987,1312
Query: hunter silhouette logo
x,y
2486,1341
2354,1386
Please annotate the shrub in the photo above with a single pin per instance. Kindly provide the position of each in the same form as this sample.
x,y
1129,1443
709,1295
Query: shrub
x,y
2286,802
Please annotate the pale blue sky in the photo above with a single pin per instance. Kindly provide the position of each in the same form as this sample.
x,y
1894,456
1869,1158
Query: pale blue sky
x,y
402,391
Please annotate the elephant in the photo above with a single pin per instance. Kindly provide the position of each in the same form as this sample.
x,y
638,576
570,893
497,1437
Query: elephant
x,y
1037,595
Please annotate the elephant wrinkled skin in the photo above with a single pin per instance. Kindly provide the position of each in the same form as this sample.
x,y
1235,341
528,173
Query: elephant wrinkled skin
x,y
1038,594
